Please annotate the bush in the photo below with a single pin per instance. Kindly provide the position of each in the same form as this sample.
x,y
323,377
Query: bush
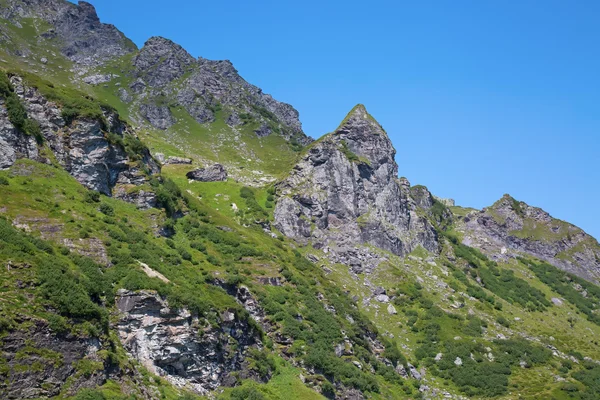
x,y
91,196
107,209
16,112
3,181
503,321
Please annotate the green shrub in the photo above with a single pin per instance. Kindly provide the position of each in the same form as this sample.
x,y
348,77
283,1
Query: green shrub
x,y
3,181
91,196
107,209
16,112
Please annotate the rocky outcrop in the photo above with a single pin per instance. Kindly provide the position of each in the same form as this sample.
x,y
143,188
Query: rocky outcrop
x,y
81,147
185,349
82,37
214,173
202,87
345,192
158,115
38,362
446,202
422,197
511,227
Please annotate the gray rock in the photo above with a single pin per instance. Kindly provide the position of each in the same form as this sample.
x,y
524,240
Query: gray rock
x,y
176,344
99,78
345,192
520,228
83,38
161,61
446,202
158,115
49,379
80,147
214,173
178,160
124,95
382,298
202,86
263,131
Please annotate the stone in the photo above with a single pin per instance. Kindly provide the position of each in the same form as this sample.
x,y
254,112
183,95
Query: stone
x,y
391,310
458,362
494,230
214,173
80,147
382,298
99,78
178,160
83,38
159,116
557,301
179,346
345,192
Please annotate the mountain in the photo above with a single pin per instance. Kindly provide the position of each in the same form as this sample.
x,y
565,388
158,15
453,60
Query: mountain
x,y
345,191
167,231
511,227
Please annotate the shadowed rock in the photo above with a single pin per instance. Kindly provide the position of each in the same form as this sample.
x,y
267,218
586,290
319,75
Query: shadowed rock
x,y
214,173
345,191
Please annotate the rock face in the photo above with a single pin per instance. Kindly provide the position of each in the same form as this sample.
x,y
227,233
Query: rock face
x,y
345,192
55,356
201,87
510,227
214,173
84,39
81,147
180,346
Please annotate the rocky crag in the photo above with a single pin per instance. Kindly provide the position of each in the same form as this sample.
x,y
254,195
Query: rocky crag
x,y
345,192
182,347
510,227
91,149
82,37
204,87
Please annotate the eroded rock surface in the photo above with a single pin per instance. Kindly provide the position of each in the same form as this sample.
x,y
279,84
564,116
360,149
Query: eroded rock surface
x,y
510,227
180,346
83,38
40,362
81,147
214,173
345,191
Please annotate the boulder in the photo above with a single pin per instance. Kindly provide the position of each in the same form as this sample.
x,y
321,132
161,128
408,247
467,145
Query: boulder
x,y
214,173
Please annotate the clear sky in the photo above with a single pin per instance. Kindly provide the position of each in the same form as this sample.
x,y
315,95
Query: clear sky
x,y
480,98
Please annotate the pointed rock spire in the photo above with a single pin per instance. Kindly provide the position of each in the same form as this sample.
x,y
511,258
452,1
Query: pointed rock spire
x,y
361,135
345,191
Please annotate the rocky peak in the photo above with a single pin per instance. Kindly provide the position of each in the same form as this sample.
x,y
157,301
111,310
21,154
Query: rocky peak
x,y
82,37
422,196
345,192
161,61
362,135
88,13
510,227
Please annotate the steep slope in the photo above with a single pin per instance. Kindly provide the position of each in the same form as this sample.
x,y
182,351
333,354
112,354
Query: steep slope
x,y
345,192
75,29
339,281
87,139
187,107
511,227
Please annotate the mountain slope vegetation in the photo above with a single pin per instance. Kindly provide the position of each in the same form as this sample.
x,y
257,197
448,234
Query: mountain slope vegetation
x,y
308,270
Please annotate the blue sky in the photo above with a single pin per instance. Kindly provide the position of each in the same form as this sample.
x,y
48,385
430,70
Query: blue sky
x,y
479,98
